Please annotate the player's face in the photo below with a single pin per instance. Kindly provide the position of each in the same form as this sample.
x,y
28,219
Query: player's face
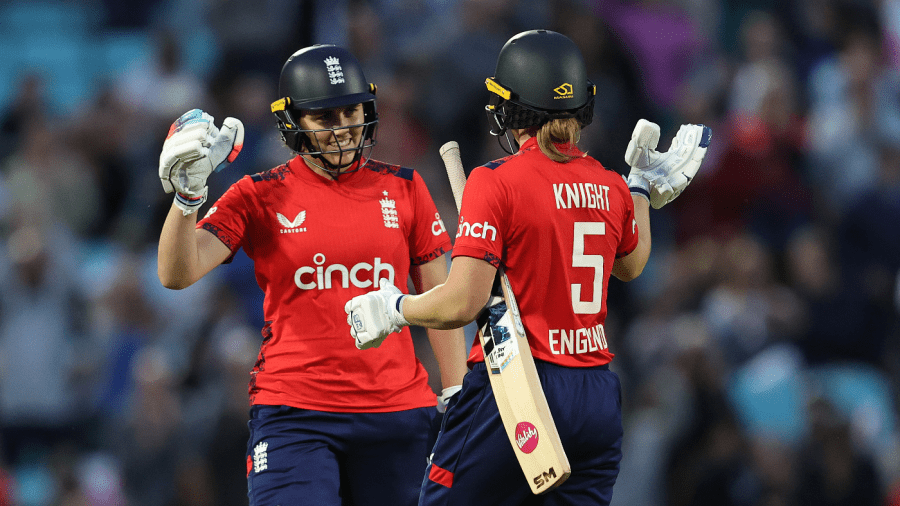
x,y
337,132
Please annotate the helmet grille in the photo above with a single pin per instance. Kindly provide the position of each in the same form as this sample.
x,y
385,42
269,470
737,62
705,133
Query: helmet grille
x,y
521,116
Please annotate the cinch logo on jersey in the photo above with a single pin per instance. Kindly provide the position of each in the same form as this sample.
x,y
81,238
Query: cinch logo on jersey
x,y
585,195
292,226
437,226
477,230
572,342
361,275
564,91
335,72
526,437
260,457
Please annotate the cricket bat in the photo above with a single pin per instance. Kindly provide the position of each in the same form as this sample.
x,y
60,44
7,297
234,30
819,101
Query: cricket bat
x,y
514,379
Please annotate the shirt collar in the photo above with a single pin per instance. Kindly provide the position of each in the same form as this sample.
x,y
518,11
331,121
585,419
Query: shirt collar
x,y
567,148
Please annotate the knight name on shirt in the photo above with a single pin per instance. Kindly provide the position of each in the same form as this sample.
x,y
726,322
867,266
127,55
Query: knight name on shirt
x,y
584,195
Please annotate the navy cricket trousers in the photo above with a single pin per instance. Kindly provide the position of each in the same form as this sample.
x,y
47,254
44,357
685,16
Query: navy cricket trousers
x,y
474,464
299,456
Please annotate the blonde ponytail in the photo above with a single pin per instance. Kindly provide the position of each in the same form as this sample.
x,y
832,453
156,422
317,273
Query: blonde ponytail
x,y
558,133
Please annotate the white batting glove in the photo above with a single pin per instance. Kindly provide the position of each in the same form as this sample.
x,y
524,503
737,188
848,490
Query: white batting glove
x,y
643,142
375,315
193,149
445,396
661,177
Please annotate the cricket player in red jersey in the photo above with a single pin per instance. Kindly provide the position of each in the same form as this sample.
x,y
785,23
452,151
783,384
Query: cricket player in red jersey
x,y
328,425
560,224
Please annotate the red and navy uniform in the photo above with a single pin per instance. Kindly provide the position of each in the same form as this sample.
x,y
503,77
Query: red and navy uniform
x,y
315,244
556,229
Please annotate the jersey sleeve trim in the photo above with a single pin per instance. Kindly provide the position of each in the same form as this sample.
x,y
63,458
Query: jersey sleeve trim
x,y
424,259
226,239
394,170
468,251
271,174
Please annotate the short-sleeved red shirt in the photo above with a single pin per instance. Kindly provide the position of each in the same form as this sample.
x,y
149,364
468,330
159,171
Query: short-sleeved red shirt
x,y
315,244
556,229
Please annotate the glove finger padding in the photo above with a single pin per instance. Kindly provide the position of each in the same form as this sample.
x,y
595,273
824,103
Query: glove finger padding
x,y
226,144
661,194
185,143
687,153
644,139
642,145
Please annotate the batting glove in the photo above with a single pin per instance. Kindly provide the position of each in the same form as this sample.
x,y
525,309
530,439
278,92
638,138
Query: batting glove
x,y
375,315
193,149
661,177
445,396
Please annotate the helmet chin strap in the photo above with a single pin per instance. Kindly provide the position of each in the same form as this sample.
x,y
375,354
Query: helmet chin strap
x,y
331,169
510,141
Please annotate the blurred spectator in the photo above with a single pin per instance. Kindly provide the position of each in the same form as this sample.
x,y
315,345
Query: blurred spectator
x,y
620,100
258,35
235,352
706,464
458,71
835,318
124,324
832,471
814,27
748,309
775,464
147,444
889,13
664,41
854,109
870,247
102,133
756,183
162,88
48,178
41,338
25,107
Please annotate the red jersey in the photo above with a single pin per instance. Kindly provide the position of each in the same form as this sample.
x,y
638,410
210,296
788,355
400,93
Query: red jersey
x,y
556,229
315,244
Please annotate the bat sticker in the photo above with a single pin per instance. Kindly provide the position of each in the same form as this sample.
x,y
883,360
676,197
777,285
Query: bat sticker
x,y
526,437
498,348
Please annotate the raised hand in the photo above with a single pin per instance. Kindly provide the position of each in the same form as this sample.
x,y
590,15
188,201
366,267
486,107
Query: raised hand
x,y
193,149
662,177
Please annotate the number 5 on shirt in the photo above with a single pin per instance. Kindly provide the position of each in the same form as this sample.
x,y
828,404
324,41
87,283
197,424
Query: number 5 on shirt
x,y
514,379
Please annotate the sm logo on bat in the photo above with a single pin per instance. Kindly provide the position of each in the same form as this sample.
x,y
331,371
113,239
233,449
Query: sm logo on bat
x,y
544,478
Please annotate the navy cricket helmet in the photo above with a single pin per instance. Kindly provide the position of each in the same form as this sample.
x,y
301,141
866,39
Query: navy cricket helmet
x,y
540,76
323,76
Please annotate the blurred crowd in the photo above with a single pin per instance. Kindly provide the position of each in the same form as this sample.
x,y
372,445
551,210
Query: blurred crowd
x,y
759,351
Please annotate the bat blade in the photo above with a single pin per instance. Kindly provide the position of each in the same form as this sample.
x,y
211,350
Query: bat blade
x,y
517,388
